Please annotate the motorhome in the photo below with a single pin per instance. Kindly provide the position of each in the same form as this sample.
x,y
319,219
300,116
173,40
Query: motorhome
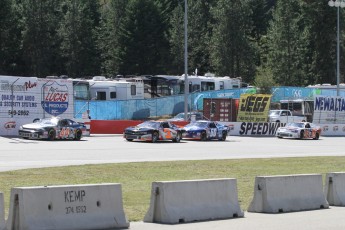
x,y
102,88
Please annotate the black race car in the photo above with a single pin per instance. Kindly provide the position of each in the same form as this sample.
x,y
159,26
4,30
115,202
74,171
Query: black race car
x,y
52,128
153,131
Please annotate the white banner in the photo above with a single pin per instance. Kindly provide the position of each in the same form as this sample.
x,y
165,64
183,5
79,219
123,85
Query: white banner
x,y
269,129
328,110
26,98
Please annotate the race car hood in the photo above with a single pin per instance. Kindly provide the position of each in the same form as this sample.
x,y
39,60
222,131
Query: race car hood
x,y
138,129
193,128
34,126
288,128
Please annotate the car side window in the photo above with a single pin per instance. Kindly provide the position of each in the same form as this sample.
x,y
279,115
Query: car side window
x,y
165,125
212,125
63,123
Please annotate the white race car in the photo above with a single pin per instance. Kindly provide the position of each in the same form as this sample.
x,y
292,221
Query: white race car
x,y
299,130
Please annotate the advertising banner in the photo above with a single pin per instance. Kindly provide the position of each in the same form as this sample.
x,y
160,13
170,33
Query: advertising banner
x,y
328,110
24,99
254,107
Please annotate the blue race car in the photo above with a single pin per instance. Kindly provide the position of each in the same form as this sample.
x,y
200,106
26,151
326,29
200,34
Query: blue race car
x,y
205,130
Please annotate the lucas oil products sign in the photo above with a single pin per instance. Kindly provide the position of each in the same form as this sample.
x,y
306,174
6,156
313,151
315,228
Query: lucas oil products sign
x,y
254,107
24,99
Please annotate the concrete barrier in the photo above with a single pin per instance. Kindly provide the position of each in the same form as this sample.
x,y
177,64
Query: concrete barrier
x,y
194,200
335,188
2,212
69,207
275,194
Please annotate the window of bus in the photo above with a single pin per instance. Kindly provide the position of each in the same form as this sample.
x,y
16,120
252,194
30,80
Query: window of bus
x,y
133,90
221,85
205,86
112,95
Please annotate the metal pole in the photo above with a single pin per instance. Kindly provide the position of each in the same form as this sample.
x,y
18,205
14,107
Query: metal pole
x,y
338,51
186,85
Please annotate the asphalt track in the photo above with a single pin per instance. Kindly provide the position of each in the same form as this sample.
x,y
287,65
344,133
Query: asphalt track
x,y
18,154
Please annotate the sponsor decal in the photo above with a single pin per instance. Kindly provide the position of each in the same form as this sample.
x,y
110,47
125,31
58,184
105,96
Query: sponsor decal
x,y
257,128
10,125
231,127
54,98
335,128
325,128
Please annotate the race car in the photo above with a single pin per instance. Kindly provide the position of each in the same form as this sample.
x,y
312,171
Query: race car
x,y
205,130
299,130
52,128
153,131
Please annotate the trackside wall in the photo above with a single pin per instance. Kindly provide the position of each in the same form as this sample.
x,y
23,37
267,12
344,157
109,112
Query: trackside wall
x,y
185,201
276,194
335,188
70,207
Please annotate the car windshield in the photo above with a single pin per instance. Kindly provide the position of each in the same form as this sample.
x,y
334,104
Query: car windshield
x,y
297,125
180,115
49,121
274,112
198,124
149,124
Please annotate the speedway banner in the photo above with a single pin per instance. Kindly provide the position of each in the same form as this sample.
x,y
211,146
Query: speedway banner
x,y
254,107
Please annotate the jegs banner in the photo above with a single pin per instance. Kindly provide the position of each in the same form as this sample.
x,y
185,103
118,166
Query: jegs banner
x,y
254,107
328,110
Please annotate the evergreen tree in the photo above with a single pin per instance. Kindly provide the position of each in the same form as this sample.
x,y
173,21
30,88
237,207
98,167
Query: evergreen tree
x,y
78,34
177,39
142,41
8,46
113,13
233,54
287,44
320,58
40,41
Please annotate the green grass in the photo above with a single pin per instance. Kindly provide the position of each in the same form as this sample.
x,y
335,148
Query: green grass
x,y
136,178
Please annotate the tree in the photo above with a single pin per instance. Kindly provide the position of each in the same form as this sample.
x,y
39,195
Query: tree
x,y
143,42
287,43
232,53
78,34
320,22
111,23
10,37
40,40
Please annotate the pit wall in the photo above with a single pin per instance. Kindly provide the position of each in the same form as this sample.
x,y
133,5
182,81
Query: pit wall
x,y
236,128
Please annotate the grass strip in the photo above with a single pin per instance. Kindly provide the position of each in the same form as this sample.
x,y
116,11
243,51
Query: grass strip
x,y
136,178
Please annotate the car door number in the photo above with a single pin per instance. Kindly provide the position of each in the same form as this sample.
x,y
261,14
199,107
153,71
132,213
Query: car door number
x,y
65,132
213,132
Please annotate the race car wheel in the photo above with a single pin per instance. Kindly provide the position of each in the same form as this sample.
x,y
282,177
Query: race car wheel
x,y
317,136
178,137
51,134
78,134
155,137
224,136
203,136
301,135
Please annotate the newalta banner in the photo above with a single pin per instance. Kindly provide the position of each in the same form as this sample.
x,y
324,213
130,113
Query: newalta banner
x,y
329,110
254,107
